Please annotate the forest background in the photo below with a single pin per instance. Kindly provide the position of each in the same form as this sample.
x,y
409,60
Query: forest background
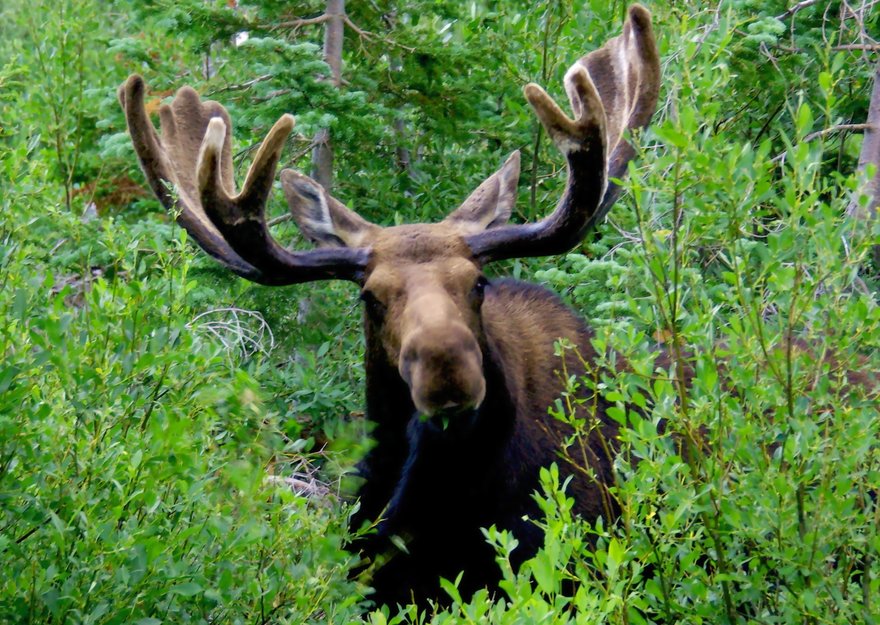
x,y
175,443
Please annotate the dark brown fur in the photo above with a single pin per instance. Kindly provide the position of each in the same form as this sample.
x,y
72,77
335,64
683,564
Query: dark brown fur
x,y
436,488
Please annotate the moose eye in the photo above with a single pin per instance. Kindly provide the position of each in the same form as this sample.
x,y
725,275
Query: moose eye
x,y
479,289
374,307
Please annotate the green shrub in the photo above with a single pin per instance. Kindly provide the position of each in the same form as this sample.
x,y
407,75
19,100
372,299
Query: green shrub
x,y
135,462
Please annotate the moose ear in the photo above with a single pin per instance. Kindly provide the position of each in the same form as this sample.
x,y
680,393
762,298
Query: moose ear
x,y
491,203
323,219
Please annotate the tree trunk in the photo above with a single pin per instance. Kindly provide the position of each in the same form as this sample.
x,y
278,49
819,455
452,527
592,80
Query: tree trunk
x,y
870,154
334,31
404,160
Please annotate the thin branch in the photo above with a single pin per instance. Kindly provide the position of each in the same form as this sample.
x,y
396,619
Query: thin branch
x,y
245,85
279,220
837,128
310,488
293,159
869,47
827,131
845,47
360,31
766,52
272,94
308,21
370,36
791,11
709,29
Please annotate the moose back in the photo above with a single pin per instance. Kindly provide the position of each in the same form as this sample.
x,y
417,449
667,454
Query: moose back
x,y
460,370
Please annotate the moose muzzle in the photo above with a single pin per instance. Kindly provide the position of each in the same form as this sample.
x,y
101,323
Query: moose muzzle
x,y
443,366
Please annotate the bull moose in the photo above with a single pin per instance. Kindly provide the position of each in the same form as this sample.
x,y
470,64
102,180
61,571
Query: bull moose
x,y
460,370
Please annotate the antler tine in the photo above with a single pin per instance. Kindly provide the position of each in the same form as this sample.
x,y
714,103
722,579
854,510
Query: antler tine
x,y
190,171
610,90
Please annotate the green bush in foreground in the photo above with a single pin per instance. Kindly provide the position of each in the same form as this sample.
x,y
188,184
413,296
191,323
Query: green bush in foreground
x,y
142,476
135,464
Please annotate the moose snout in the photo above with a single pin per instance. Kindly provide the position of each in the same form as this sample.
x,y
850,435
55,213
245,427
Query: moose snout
x,y
444,370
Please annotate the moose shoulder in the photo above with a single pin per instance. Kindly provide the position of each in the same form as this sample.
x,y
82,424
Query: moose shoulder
x,y
460,371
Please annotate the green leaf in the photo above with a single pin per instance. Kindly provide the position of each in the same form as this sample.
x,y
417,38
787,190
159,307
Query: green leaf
x,y
187,589
804,119
616,554
670,135
399,542
451,588
544,572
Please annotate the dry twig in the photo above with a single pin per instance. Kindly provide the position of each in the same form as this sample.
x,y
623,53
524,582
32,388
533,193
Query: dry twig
x,y
307,21
794,9
237,329
838,128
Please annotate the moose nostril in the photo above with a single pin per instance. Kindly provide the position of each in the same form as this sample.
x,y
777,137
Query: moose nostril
x,y
409,353
408,357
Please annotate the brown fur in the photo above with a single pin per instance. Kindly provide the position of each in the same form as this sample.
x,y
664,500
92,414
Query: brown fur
x,y
436,485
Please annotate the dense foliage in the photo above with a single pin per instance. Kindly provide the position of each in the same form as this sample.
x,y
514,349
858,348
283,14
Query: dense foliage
x,y
154,411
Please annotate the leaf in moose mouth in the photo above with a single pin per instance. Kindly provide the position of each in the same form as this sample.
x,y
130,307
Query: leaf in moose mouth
x,y
449,421
440,420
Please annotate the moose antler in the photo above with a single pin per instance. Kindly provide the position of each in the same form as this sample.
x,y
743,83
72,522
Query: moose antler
x,y
610,90
190,171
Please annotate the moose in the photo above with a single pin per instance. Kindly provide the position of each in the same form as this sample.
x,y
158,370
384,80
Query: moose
x,y
460,370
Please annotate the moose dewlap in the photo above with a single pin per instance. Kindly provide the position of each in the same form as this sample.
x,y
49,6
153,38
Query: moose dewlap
x,y
459,370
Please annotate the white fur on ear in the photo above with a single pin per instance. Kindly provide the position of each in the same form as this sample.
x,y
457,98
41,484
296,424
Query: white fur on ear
x,y
322,219
312,212
318,218
508,181
491,204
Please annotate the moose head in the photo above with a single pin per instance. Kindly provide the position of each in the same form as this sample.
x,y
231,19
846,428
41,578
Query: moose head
x,y
442,341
